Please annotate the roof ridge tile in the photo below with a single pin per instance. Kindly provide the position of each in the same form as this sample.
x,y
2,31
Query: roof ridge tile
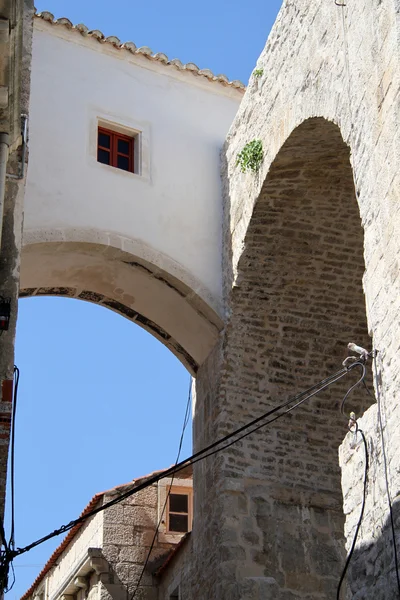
x,y
143,50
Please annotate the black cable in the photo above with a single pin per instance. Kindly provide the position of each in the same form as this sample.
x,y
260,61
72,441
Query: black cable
x,y
11,543
361,364
200,455
185,422
385,464
4,560
7,555
192,462
353,424
10,587
353,545
299,403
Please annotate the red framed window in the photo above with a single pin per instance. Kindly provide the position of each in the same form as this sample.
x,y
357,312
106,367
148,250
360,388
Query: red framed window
x,y
115,149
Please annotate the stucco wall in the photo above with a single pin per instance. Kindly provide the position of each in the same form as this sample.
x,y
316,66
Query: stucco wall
x,y
146,244
174,207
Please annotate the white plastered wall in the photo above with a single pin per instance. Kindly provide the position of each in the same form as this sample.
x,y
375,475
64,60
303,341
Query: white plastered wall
x,y
172,211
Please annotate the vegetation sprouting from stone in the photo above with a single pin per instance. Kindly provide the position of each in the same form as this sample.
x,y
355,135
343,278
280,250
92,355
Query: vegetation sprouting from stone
x,y
251,157
258,73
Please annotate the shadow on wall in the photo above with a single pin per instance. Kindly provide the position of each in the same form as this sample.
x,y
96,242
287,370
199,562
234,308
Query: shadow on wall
x,y
227,246
372,573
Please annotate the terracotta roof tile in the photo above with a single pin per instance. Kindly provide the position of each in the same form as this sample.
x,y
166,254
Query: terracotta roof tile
x,y
144,50
72,533
186,473
60,549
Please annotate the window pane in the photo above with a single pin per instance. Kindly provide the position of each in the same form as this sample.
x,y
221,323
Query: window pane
x,y
103,156
178,523
123,146
123,163
178,503
104,140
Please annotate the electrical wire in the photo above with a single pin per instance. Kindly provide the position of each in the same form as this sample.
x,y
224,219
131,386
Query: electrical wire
x,y
299,403
385,466
185,423
353,426
200,455
360,364
360,518
11,543
5,560
7,555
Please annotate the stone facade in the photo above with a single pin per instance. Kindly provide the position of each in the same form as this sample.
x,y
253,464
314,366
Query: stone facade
x,y
310,262
15,65
295,251
103,559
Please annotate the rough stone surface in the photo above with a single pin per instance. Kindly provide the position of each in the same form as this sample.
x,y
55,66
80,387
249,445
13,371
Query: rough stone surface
x,y
311,262
12,218
295,250
122,539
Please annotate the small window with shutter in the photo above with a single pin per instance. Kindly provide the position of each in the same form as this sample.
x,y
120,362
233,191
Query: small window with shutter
x,y
116,149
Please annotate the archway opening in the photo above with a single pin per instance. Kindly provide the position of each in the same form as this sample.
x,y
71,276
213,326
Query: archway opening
x,y
171,310
297,302
100,403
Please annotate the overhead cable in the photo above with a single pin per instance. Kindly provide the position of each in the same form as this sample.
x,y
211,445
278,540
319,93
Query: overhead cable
x,y
184,425
206,452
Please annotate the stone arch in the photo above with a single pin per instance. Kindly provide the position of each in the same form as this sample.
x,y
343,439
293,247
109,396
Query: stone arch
x,y
296,302
143,287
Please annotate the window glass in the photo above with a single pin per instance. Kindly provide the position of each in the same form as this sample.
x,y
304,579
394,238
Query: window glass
x,y
178,523
103,156
123,146
115,149
104,140
123,162
178,503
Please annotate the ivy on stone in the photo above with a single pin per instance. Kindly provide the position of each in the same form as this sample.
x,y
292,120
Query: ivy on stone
x,y
251,157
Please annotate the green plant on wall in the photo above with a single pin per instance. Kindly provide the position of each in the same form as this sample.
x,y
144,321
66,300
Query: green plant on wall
x,y
258,73
251,157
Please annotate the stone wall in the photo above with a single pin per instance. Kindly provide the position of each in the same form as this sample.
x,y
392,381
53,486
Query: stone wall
x,y
13,211
129,529
295,247
89,536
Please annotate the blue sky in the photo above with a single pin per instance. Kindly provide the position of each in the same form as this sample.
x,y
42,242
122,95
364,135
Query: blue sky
x,y
101,401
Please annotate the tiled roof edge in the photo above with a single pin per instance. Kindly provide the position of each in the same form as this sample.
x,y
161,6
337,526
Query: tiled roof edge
x,y
171,555
143,50
60,549
72,533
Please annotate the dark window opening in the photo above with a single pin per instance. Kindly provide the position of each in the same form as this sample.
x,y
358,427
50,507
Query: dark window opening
x,y
178,513
115,149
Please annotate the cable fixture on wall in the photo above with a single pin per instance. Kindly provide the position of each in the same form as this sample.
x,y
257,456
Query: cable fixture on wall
x,y
355,429
374,353
8,554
